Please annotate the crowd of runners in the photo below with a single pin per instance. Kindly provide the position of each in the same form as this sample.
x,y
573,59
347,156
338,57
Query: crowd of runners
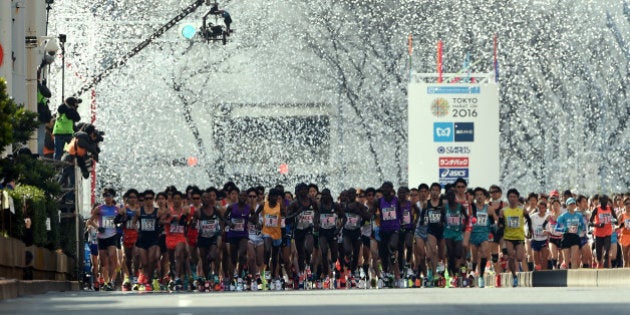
x,y
233,239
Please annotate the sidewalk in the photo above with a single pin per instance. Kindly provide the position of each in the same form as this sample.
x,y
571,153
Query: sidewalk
x,y
12,288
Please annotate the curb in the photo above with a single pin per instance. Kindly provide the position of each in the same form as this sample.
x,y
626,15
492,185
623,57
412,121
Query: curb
x,y
10,289
572,278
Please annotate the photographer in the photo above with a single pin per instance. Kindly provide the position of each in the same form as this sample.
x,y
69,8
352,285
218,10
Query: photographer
x,y
82,147
67,116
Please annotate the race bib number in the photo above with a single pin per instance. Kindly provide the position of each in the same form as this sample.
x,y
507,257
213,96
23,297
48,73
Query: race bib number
x,y
482,219
176,228
147,224
605,218
572,228
453,220
306,218
352,222
406,218
389,214
239,225
626,224
539,231
435,217
327,220
271,220
107,222
208,228
513,222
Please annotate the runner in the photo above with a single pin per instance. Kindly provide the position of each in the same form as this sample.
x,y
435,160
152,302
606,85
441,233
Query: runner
x,y
540,239
305,214
555,238
586,240
369,230
570,224
513,219
163,265
496,203
479,242
237,218
531,206
410,214
419,198
174,223
465,199
209,221
435,212
388,213
624,220
329,216
146,218
192,233
353,217
455,215
92,240
273,216
103,218
602,219
256,244
130,236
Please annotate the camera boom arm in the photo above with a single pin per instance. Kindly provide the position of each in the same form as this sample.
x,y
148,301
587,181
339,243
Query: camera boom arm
x,y
123,60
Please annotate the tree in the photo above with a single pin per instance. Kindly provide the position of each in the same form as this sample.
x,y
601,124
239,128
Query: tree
x,y
16,123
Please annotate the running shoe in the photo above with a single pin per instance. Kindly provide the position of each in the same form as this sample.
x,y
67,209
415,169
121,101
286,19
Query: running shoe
x,y
515,282
481,282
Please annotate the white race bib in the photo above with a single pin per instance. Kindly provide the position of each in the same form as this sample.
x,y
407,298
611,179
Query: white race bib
x,y
147,224
389,214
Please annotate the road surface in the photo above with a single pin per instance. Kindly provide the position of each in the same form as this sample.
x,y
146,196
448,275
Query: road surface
x,y
572,301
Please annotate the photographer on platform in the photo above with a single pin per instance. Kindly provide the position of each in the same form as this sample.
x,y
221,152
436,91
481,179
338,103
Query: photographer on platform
x,y
67,116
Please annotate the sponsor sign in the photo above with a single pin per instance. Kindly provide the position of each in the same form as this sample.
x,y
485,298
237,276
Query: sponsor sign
x,y
453,132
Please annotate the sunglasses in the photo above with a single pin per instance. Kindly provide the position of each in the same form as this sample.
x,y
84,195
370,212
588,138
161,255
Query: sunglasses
x,y
494,191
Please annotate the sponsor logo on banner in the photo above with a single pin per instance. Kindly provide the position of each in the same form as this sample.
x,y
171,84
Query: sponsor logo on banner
x,y
443,132
440,107
453,173
464,132
453,150
455,162
453,90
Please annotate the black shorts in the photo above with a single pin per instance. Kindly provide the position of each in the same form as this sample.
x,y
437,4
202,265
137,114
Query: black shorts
x,y
366,240
354,235
235,241
556,241
516,242
104,243
328,235
498,236
569,240
206,242
146,242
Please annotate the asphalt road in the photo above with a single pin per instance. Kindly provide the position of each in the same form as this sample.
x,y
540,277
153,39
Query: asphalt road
x,y
571,301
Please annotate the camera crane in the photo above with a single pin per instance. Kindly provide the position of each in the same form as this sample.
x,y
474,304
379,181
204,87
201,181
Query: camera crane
x,y
134,51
